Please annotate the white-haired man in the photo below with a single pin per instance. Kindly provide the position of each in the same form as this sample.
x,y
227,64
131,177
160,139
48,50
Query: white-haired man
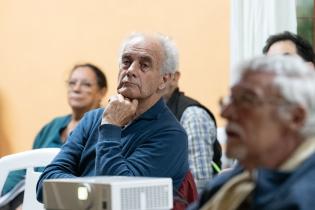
x,y
136,134
270,128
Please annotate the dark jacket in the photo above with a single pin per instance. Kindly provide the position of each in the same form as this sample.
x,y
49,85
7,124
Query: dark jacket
x,y
178,103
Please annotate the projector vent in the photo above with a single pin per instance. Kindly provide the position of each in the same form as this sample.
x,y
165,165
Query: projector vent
x,y
149,198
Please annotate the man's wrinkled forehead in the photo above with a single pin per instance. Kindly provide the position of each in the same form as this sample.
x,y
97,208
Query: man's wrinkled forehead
x,y
256,81
144,44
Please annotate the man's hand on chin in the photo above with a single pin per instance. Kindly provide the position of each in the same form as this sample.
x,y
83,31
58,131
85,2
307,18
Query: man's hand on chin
x,y
120,110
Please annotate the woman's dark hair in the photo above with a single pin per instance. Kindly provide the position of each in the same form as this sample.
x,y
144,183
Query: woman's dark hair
x,y
303,47
100,76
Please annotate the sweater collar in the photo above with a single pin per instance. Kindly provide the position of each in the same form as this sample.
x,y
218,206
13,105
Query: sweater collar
x,y
154,111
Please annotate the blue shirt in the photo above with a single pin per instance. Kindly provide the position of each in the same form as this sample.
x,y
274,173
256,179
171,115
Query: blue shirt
x,y
154,145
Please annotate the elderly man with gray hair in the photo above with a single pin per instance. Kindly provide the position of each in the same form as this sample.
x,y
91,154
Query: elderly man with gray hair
x,y
270,128
136,134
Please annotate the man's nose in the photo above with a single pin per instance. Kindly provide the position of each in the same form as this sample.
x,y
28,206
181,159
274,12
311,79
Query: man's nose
x,y
131,71
227,111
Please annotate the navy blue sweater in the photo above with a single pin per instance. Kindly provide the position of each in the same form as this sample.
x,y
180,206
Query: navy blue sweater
x,y
153,145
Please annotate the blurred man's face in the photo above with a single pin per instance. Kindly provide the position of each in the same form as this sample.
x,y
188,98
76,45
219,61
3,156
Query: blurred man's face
x,y
254,126
285,47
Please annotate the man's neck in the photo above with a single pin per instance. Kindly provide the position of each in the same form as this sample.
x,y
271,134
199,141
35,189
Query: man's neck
x,y
300,154
274,158
145,104
278,157
170,93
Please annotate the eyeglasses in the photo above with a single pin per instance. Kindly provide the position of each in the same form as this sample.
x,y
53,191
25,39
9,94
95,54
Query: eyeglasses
x,y
83,84
248,100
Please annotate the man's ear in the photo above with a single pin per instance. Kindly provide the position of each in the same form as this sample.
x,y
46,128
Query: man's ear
x,y
176,76
293,116
298,117
165,79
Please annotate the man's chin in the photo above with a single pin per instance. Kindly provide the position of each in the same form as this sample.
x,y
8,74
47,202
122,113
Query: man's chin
x,y
237,152
127,93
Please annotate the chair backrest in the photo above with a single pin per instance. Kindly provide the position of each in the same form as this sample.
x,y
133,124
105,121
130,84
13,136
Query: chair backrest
x,y
28,160
186,194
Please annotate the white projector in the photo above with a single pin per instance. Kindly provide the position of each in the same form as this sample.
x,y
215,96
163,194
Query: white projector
x,y
108,193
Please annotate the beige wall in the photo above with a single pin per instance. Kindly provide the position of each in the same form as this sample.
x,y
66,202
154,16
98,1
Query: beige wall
x,y
42,39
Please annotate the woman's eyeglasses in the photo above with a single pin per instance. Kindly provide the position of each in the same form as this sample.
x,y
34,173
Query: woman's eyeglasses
x,y
83,84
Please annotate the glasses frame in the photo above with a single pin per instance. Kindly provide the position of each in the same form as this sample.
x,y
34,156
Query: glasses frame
x,y
84,84
249,101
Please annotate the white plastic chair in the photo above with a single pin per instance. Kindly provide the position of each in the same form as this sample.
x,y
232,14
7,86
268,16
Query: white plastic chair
x,y
28,160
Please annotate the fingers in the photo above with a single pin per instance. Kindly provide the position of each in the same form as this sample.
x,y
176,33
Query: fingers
x,y
121,98
120,110
113,98
126,100
117,98
134,102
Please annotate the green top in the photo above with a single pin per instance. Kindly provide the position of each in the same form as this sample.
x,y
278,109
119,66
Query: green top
x,y
48,137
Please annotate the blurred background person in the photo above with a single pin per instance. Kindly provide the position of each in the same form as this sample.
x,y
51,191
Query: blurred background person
x,y
86,86
288,43
270,129
200,126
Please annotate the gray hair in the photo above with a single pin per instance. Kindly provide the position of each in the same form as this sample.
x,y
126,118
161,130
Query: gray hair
x,y
294,79
170,62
